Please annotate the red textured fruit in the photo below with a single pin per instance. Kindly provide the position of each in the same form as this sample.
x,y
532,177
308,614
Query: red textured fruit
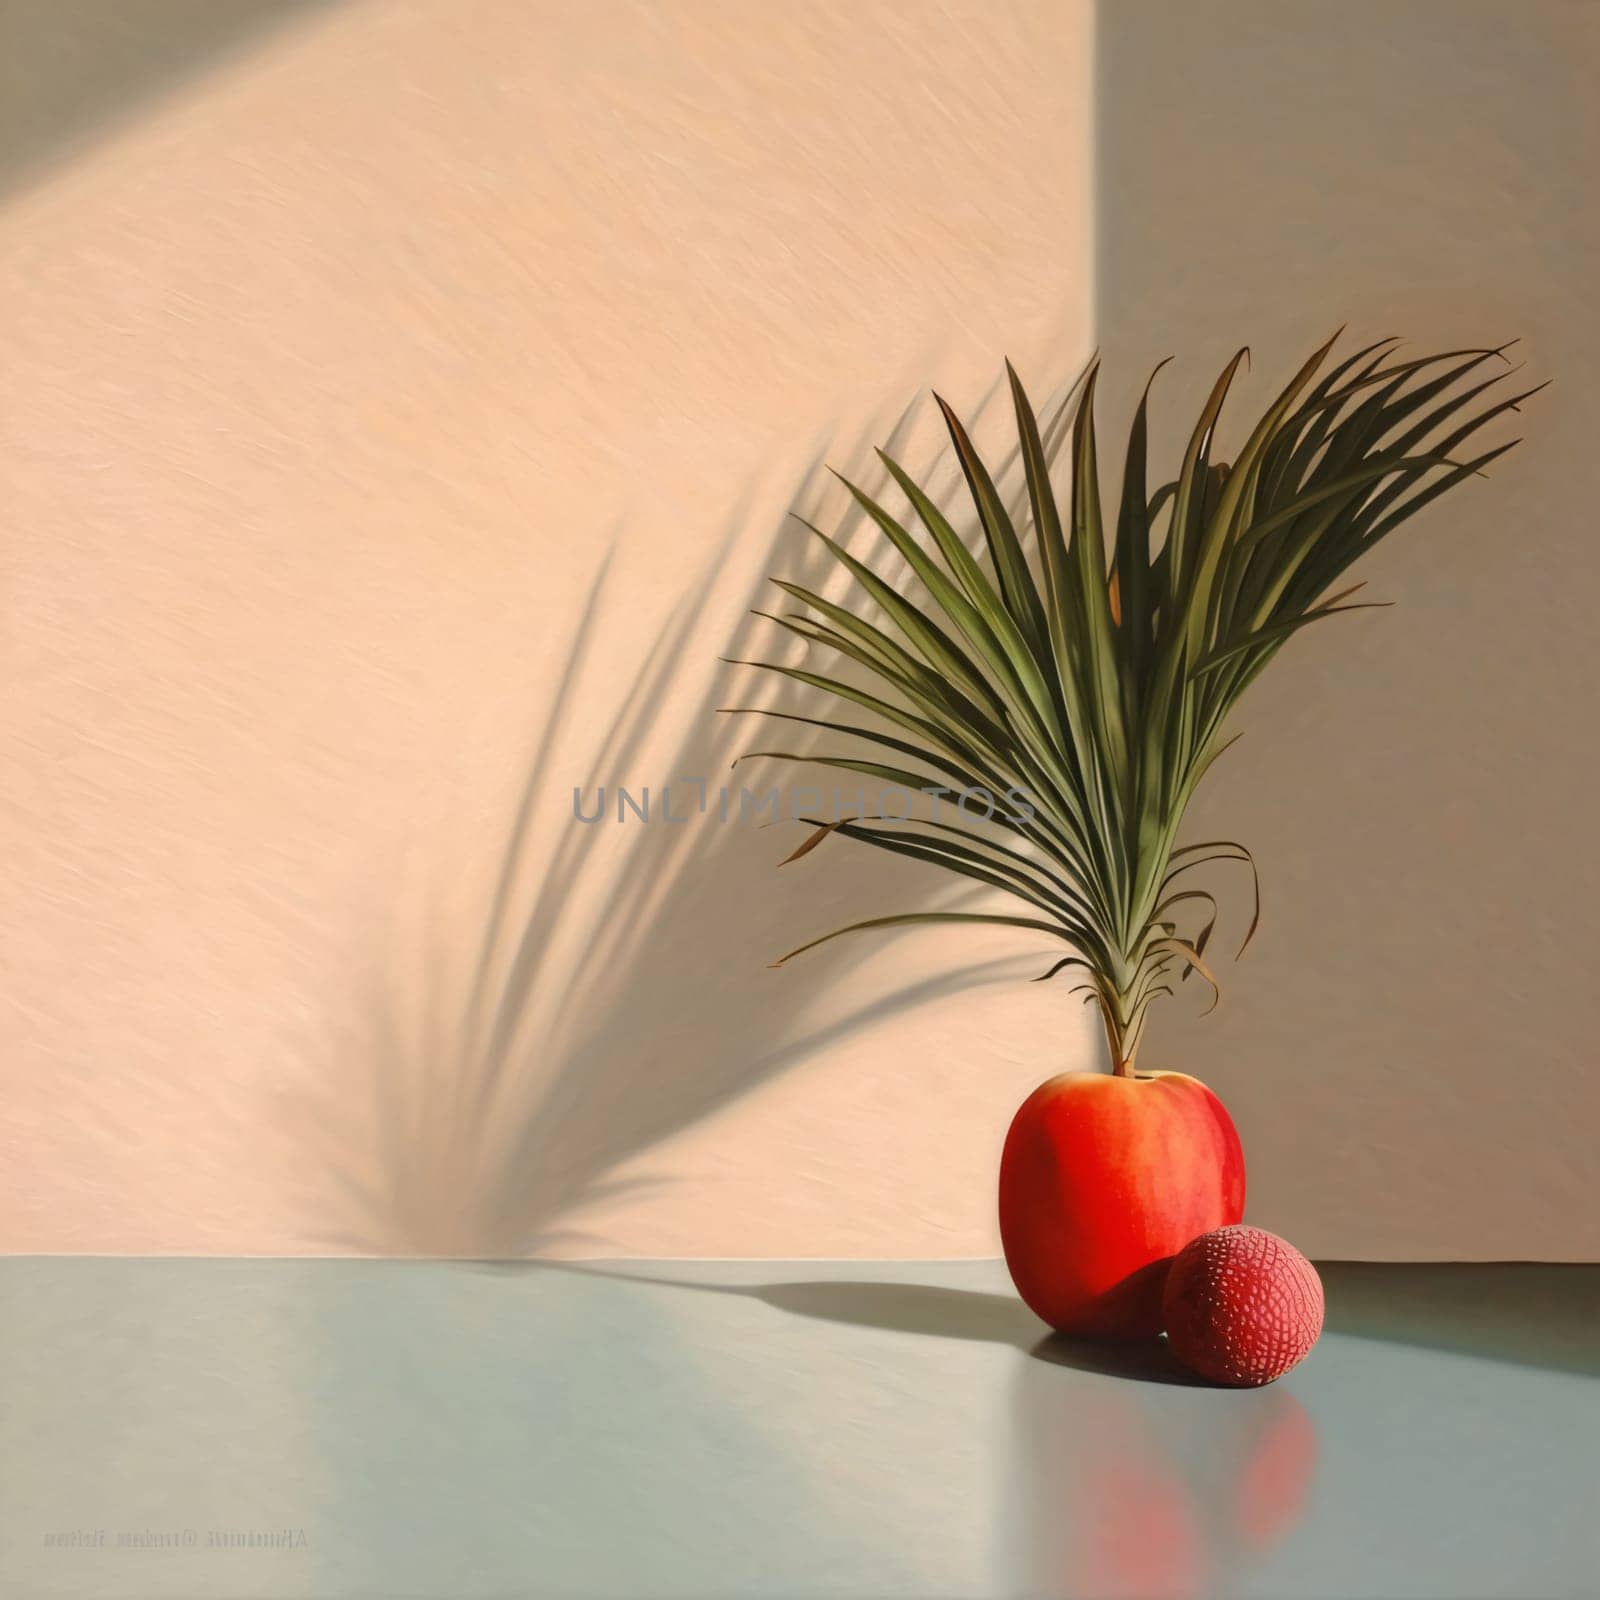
x,y
1103,1181
1242,1306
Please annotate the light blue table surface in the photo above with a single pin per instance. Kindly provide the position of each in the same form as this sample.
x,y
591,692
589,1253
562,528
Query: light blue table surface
x,y
799,1429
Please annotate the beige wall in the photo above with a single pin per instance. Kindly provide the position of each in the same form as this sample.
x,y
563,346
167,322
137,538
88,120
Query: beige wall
x,y
340,352
1410,1045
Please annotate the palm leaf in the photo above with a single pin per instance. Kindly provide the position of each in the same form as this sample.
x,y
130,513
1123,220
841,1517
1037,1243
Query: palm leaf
x,y
1097,681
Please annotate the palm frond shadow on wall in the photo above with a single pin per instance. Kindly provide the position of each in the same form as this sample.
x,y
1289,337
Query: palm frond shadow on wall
x,y
503,1093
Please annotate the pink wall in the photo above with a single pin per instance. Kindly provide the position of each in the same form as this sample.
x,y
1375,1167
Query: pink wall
x,y
335,371
401,409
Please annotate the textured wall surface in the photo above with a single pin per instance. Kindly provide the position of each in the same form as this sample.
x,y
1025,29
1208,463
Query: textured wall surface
x,y
401,403
341,352
1409,1046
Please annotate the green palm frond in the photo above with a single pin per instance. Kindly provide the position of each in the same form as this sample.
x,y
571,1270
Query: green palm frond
x,y
1095,679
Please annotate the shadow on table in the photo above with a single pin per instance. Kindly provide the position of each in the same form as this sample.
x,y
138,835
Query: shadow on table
x,y
970,1314
1536,1314
932,1311
1113,1489
1533,1314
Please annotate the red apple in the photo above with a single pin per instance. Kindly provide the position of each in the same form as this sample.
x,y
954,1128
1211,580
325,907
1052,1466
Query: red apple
x,y
1103,1180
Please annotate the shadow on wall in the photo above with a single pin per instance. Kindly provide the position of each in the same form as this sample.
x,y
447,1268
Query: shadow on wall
x,y
578,1037
73,70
